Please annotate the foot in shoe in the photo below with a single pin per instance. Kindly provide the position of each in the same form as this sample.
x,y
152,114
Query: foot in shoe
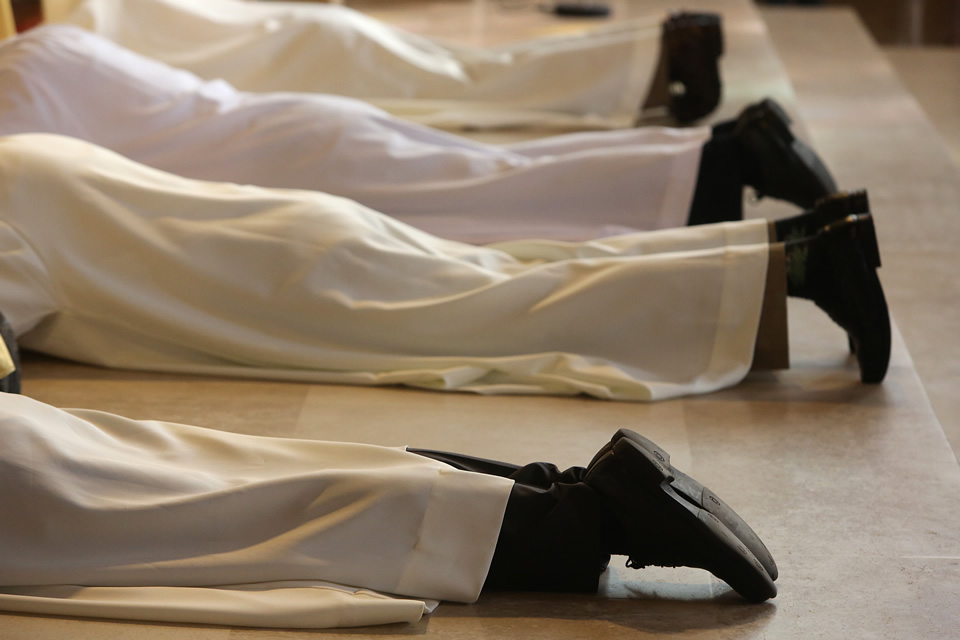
x,y
9,359
701,497
837,270
664,527
692,45
775,162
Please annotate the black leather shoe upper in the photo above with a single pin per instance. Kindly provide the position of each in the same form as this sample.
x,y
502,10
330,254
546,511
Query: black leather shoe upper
x,y
849,290
776,163
700,496
692,44
664,527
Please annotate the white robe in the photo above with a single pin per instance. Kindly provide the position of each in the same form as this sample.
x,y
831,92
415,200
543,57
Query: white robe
x,y
7,365
596,78
106,261
61,79
109,517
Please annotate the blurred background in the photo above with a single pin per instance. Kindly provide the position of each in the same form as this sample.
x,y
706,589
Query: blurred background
x,y
921,39
901,22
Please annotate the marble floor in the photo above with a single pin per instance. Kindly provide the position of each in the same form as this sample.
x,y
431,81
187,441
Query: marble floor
x,y
853,487
932,75
874,133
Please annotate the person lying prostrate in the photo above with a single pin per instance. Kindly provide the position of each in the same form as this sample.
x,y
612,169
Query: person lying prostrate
x,y
61,79
106,261
148,520
603,77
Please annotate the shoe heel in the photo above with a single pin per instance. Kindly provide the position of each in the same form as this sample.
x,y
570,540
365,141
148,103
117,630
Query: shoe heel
x,y
867,239
642,463
767,114
859,202
645,443
774,114
838,206
713,37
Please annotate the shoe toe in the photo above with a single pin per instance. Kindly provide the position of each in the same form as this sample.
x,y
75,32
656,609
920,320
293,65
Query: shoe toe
x,y
703,498
666,528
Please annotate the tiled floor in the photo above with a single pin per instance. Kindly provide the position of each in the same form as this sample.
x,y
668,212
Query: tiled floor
x,y
854,488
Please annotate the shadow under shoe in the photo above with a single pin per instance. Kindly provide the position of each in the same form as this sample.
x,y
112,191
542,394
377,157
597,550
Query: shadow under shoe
x,y
777,163
841,264
693,44
667,529
699,496
11,383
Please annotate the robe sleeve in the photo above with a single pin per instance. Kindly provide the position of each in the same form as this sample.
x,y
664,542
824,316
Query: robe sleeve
x,y
26,290
302,605
104,516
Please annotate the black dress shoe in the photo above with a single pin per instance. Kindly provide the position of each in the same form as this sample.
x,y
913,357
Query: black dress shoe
x,y
665,528
11,383
693,44
700,496
841,264
776,163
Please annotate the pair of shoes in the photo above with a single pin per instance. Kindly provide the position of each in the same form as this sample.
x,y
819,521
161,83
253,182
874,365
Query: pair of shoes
x,y
700,496
692,45
10,383
776,163
841,261
668,523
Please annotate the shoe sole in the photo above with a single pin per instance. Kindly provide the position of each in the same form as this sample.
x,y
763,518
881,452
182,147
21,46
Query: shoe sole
x,y
701,497
709,543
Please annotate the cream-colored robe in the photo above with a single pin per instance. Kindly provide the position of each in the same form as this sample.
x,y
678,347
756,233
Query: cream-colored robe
x,y
106,261
597,78
7,365
62,79
104,516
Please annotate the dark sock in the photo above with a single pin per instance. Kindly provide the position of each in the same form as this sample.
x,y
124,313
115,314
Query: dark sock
x,y
555,539
718,196
556,533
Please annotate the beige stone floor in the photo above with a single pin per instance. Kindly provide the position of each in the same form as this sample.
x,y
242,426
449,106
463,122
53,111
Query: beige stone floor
x,y
932,75
854,488
875,134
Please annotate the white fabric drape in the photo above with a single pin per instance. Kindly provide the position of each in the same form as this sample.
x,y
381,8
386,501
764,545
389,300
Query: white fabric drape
x,y
61,79
596,78
110,517
106,261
